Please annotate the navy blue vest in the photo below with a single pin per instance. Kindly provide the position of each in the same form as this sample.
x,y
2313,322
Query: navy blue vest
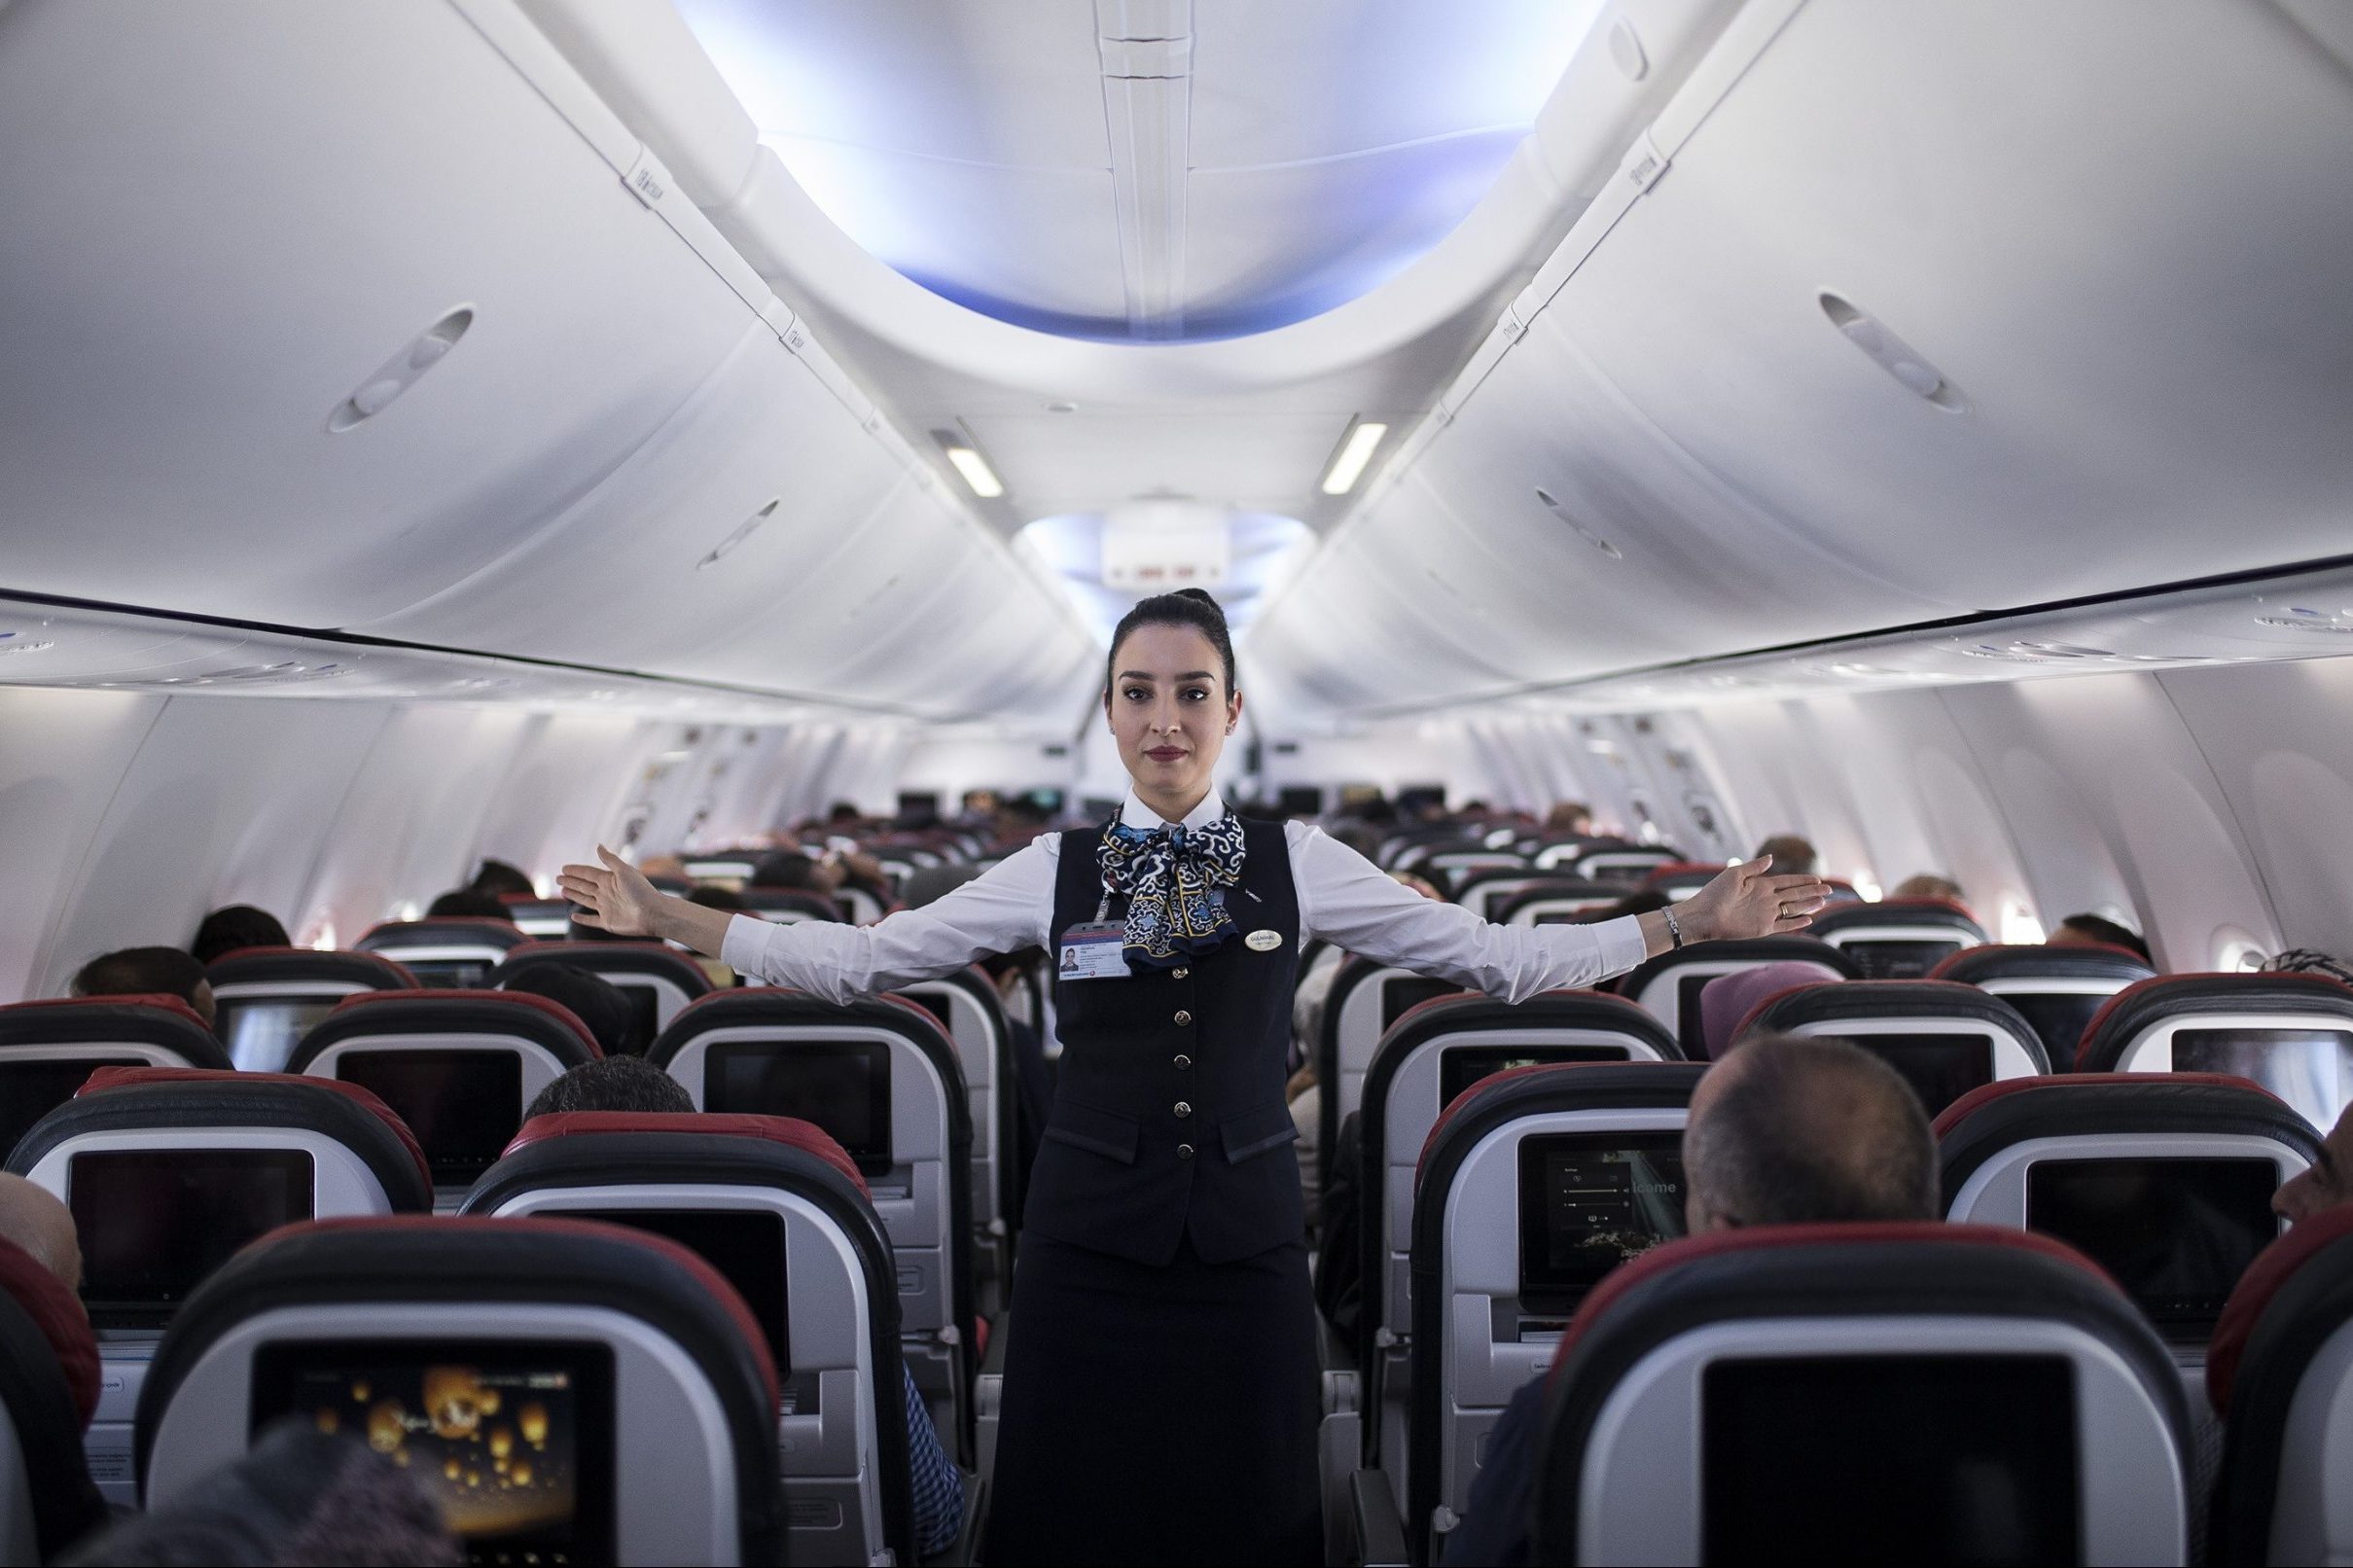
x,y
1169,1116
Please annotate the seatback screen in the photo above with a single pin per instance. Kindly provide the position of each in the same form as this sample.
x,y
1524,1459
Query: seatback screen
x,y
645,1011
745,1245
2311,1069
1402,996
1589,1202
1461,1066
513,1438
1690,1032
463,1105
262,1031
1898,960
29,1089
2175,1233
842,1086
154,1222
1940,1068
1956,1459
2058,1018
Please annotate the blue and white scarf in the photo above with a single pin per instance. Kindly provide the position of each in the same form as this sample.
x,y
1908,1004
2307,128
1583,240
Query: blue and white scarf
x,y
1171,876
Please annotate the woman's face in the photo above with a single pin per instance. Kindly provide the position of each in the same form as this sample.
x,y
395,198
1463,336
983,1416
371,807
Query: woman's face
x,y
1169,712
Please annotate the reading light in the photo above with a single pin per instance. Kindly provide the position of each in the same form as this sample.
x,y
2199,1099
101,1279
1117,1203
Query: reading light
x,y
1355,452
976,472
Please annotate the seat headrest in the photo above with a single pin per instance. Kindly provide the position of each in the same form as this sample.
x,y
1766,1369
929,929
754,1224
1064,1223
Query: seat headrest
x,y
777,1007
1853,1001
1973,966
415,1258
790,1131
1840,1270
254,965
437,929
120,1097
1567,1086
1844,917
604,958
2095,1099
148,1020
1744,951
1471,1012
519,1013
2133,1010
57,1313
2324,1300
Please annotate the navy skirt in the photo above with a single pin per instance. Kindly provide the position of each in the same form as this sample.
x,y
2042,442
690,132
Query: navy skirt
x,y
1157,1414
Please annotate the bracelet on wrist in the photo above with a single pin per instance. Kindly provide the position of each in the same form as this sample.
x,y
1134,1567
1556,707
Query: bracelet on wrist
x,y
1674,928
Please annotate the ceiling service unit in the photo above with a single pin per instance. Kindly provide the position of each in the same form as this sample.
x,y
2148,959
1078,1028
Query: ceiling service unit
x,y
1161,545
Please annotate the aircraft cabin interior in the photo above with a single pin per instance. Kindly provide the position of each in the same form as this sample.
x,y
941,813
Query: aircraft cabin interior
x,y
1699,648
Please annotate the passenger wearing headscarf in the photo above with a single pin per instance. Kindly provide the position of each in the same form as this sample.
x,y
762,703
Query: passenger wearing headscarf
x,y
1728,999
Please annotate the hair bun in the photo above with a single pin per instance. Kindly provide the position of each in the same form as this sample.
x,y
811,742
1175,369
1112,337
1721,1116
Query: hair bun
x,y
1202,595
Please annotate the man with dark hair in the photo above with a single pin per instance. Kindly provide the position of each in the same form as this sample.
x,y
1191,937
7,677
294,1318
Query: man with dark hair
x,y
239,926
502,881
612,1083
147,972
1791,854
2098,931
632,1084
465,904
593,1000
1783,1131
788,868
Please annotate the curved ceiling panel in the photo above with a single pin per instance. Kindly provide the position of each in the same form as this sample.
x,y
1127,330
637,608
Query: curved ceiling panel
x,y
250,211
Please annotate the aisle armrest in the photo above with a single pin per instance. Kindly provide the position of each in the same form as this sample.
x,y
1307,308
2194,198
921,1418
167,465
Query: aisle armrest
x,y
1380,1536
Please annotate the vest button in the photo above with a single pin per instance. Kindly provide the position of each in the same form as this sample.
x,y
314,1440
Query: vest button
x,y
1184,1150
1183,1062
1179,974
1182,1109
1183,1016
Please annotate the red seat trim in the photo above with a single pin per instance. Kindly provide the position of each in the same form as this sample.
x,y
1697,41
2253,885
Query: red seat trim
x,y
106,1078
790,1131
518,999
57,1313
2272,1269
1960,1109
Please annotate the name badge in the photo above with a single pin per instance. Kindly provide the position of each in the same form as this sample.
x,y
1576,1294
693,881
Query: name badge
x,y
1262,942
1094,952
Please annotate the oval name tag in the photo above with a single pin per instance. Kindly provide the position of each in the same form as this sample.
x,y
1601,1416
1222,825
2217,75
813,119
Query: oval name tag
x,y
1262,942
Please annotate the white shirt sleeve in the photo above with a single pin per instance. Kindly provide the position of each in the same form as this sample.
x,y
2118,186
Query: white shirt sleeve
x,y
1348,901
1004,909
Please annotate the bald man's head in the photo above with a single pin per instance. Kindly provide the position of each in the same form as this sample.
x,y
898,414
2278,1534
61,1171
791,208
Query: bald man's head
x,y
33,1219
1797,1131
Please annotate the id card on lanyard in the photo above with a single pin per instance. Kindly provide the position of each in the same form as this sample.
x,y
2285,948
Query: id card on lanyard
x,y
1096,950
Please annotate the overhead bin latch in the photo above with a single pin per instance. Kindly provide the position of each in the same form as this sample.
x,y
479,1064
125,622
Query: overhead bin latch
x,y
1644,163
647,181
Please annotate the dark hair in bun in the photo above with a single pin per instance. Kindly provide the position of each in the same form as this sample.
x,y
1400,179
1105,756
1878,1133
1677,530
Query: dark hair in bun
x,y
1185,607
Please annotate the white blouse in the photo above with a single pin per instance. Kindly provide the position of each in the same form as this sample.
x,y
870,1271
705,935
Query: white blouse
x,y
1343,897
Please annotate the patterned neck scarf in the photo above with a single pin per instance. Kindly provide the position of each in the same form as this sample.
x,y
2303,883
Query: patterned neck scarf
x,y
1168,875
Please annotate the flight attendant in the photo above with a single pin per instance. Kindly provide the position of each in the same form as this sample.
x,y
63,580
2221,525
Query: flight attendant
x,y
1161,1388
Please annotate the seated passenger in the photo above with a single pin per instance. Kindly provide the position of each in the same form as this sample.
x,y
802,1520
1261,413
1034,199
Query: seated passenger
x,y
630,1083
790,868
1785,1131
593,1000
1570,817
147,972
299,1495
466,903
1791,854
1929,885
240,925
2325,1184
39,1223
2098,931
2310,961
502,881
1728,999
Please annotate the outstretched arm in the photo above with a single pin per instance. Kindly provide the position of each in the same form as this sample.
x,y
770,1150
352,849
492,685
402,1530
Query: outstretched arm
x,y
1348,900
1002,910
616,897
